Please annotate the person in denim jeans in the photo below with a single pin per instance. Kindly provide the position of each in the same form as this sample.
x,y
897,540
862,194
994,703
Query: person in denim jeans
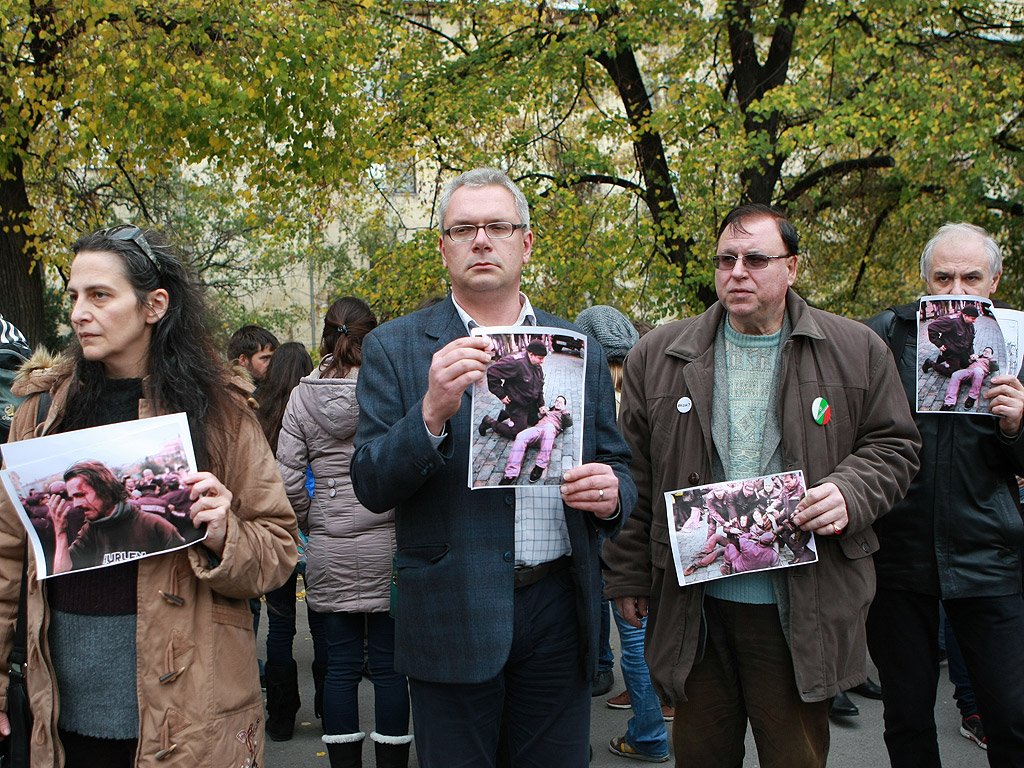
x,y
350,549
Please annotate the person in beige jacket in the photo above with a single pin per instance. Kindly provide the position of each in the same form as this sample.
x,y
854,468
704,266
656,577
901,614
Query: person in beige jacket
x,y
152,661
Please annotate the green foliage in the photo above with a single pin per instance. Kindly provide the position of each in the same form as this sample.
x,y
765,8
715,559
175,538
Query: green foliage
x,y
262,135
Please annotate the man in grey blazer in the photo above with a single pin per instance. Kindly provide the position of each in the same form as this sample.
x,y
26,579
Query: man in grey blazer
x,y
497,589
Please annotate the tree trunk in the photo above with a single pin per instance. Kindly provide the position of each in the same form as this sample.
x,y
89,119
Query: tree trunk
x,y
659,193
21,281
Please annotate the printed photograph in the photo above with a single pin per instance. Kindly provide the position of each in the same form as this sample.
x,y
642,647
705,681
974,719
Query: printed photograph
x,y
1011,323
527,426
959,349
98,497
724,529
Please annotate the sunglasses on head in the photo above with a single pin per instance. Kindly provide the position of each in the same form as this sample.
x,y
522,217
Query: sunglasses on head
x,y
134,234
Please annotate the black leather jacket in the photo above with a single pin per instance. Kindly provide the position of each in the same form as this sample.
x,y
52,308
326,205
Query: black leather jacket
x,y
958,532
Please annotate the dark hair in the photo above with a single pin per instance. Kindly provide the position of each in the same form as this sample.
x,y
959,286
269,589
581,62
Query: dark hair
x,y
100,479
290,363
430,301
248,340
734,220
348,320
184,372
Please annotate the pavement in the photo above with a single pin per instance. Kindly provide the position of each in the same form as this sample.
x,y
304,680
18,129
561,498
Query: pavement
x,y
856,741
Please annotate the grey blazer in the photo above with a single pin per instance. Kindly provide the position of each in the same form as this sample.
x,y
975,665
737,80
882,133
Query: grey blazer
x,y
455,546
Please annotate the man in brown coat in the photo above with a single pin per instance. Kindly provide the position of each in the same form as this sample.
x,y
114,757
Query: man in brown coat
x,y
759,384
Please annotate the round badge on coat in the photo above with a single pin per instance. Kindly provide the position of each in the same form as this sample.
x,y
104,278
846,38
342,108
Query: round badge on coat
x,y
684,404
821,411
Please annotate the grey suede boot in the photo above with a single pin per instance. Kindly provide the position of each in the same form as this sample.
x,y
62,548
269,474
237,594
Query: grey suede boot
x,y
391,751
345,750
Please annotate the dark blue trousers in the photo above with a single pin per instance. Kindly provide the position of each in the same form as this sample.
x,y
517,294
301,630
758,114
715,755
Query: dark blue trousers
x,y
345,633
903,639
542,695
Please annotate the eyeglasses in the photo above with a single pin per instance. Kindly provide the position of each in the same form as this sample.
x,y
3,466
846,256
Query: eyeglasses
x,y
496,230
750,260
133,233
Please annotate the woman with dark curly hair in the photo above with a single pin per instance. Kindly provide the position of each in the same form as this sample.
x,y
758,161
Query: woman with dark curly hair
x,y
150,658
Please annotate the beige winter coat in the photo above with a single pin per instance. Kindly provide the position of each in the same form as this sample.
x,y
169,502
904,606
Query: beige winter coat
x,y
207,710
350,549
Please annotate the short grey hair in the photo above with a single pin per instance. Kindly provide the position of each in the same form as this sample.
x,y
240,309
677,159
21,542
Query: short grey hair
x,y
484,177
960,229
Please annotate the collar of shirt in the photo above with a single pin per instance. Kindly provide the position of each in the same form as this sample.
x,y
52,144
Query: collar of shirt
x,y
526,314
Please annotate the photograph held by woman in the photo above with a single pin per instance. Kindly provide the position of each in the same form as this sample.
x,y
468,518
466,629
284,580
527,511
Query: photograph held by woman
x,y
154,658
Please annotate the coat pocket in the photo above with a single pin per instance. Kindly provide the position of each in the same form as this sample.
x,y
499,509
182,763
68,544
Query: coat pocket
x,y
234,673
420,556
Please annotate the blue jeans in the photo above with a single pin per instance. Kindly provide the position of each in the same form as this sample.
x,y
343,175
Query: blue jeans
x,y
318,634
281,623
345,633
963,691
646,729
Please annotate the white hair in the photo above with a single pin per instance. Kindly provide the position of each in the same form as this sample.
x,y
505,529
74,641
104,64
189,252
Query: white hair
x,y
960,229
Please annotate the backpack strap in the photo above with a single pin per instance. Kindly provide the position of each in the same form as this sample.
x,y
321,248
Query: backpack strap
x,y
903,324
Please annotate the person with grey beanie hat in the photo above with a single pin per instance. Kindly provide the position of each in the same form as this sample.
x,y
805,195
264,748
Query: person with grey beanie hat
x,y
610,328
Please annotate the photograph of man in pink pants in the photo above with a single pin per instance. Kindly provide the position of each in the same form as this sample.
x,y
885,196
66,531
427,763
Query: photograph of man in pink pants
x,y
979,367
553,421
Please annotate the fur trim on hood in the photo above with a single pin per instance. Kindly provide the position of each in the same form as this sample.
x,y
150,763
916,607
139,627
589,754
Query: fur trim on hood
x,y
40,372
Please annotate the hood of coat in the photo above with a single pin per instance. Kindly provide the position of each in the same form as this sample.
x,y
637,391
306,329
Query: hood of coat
x,y
331,403
40,372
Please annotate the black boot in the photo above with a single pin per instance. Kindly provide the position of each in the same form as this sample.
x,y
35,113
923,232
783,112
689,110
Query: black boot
x,y
345,750
391,751
319,673
282,700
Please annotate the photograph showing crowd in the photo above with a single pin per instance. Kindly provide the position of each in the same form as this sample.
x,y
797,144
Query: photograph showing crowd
x,y
84,513
724,529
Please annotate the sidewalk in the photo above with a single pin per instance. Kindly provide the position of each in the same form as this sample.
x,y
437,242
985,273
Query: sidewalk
x,y
856,741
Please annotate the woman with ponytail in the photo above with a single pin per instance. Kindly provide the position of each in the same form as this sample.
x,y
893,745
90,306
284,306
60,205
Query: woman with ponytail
x,y
350,549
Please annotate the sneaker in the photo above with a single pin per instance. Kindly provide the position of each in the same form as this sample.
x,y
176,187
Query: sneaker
x,y
618,746
535,474
508,480
969,403
946,407
602,683
486,424
926,366
619,702
668,714
970,728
